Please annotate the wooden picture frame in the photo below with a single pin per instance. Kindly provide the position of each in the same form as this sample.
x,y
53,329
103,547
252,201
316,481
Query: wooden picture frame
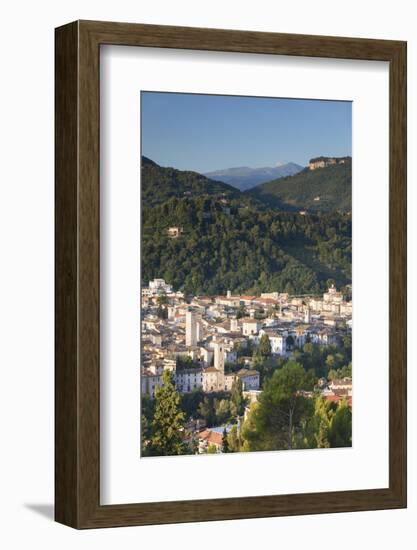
x,y
77,406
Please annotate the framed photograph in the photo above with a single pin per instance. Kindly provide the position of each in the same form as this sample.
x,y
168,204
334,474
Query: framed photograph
x,y
230,274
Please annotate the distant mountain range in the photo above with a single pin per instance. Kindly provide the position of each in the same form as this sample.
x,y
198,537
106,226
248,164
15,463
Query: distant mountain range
x,y
244,178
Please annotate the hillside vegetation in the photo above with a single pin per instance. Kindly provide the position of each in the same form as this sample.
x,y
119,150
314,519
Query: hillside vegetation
x,y
326,189
231,242
160,184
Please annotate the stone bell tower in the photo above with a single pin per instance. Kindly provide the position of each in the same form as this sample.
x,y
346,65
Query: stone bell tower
x,y
219,364
190,329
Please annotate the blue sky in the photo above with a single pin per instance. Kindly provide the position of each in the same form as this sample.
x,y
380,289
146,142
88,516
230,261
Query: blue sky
x,y
208,132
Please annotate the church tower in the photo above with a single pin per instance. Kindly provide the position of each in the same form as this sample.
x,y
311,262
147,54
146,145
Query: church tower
x,y
307,317
219,364
190,329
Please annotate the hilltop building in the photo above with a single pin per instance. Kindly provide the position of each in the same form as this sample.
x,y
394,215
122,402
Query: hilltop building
x,y
322,162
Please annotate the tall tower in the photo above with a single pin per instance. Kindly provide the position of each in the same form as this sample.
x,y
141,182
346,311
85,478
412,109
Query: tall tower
x,y
307,314
219,364
198,330
190,329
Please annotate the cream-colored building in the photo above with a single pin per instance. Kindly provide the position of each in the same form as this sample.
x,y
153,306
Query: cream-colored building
x,y
251,327
187,380
211,380
213,377
333,296
174,232
149,382
250,379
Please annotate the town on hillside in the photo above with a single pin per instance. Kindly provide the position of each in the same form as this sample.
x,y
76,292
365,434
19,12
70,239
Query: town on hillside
x,y
212,357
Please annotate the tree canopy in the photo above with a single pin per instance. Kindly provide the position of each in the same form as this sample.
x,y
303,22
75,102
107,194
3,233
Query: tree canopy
x,y
230,241
167,423
277,416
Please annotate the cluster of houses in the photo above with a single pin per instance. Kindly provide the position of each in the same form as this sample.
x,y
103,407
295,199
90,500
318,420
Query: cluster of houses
x,y
207,342
336,390
200,341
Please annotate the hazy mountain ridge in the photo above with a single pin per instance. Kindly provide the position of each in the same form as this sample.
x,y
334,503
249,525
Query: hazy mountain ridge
x,y
245,177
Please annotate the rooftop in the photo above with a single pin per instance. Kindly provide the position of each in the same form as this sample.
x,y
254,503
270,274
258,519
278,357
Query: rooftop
x,y
247,372
211,437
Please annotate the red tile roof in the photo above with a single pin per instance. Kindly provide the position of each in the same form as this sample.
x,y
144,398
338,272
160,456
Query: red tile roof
x,y
211,437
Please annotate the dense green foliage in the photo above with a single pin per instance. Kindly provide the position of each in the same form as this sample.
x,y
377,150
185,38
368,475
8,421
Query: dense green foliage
x,y
333,184
160,184
231,242
225,442
321,361
216,408
264,348
167,421
275,418
340,429
285,418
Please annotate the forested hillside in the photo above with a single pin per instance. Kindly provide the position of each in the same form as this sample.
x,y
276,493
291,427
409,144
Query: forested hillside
x,y
160,184
230,242
326,189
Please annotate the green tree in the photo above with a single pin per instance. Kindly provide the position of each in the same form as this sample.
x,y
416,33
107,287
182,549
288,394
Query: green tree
x,y
280,411
225,442
330,361
162,299
241,312
144,435
167,424
212,449
318,426
147,410
222,410
346,371
290,342
340,431
190,402
237,396
332,374
265,346
162,312
205,411
233,440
